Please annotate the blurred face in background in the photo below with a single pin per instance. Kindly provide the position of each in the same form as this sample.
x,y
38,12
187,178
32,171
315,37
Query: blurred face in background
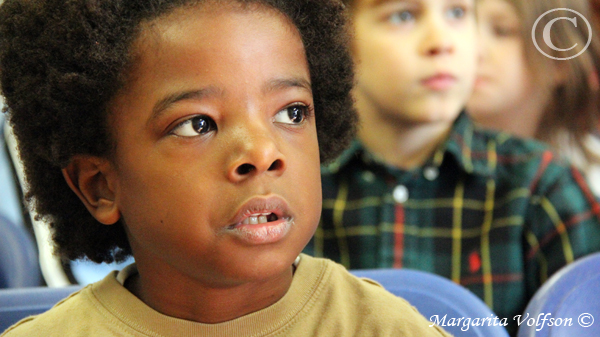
x,y
415,59
505,90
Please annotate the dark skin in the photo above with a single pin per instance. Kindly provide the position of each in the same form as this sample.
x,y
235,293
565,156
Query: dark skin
x,y
213,130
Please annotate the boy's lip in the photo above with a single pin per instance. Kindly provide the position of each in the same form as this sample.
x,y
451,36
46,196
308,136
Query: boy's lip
x,y
272,229
257,206
440,81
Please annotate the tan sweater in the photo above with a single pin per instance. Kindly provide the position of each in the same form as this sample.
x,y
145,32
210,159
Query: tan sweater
x,y
323,300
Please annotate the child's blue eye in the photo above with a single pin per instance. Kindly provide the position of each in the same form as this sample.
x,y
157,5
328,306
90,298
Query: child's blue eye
x,y
293,114
401,17
195,126
456,13
505,31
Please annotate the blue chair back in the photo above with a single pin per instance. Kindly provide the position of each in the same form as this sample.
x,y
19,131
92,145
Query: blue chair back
x,y
10,202
18,303
435,295
18,257
571,293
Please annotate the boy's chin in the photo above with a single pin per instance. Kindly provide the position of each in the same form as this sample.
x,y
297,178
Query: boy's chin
x,y
429,114
268,268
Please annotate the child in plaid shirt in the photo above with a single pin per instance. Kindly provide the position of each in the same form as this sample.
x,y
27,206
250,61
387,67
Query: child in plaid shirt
x,y
424,188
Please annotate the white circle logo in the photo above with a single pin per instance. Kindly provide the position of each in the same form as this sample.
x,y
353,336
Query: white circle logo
x,y
585,320
548,27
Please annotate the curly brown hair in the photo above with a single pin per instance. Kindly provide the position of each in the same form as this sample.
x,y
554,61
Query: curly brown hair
x,y
575,104
62,62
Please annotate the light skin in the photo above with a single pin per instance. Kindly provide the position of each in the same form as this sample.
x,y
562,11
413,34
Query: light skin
x,y
506,95
213,128
415,71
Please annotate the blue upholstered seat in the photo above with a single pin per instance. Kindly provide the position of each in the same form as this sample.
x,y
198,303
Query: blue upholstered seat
x,y
571,293
436,297
18,257
18,303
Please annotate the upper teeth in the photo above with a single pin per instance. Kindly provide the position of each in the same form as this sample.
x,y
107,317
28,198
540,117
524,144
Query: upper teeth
x,y
256,219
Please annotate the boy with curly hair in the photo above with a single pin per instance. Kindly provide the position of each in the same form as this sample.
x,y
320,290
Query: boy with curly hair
x,y
189,134
424,188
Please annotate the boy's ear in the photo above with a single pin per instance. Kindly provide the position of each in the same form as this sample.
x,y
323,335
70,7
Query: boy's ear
x,y
92,179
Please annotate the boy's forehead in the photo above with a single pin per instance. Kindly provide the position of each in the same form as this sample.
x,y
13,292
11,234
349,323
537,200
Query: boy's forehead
x,y
165,44
374,3
150,43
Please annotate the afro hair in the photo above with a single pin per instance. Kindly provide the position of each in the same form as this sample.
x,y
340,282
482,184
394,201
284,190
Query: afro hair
x,y
62,62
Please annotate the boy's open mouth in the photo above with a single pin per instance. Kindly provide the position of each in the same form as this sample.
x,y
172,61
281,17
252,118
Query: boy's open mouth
x,y
260,218
260,211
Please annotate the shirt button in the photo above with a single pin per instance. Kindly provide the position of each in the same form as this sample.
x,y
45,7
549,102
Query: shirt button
x,y
368,176
431,173
400,194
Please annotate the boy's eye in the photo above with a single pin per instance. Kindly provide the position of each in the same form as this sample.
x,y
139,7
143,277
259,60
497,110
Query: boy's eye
x,y
195,126
504,31
456,12
294,114
401,17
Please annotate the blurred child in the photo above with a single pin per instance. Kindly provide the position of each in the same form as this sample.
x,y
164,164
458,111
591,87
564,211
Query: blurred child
x,y
596,9
187,131
521,91
423,188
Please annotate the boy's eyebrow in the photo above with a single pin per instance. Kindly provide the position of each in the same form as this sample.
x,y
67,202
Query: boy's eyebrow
x,y
284,83
169,100
272,85
381,2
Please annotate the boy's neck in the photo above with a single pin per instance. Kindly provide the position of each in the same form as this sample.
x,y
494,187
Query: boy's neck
x,y
523,119
401,144
523,124
187,300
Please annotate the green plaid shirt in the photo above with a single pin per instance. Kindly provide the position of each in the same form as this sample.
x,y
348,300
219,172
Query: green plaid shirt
x,y
491,212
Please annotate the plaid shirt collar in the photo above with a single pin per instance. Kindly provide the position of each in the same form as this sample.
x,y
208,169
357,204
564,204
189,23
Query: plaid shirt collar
x,y
460,146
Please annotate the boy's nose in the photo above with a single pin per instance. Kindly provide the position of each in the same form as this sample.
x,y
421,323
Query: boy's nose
x,y
437,41
257,154
440,49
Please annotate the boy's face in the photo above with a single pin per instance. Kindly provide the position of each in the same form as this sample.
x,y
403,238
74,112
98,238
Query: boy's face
x,y
216,172
416,59
504,82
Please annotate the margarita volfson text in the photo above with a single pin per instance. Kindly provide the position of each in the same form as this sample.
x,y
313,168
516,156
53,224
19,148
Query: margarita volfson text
x,y
467,322
540,321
